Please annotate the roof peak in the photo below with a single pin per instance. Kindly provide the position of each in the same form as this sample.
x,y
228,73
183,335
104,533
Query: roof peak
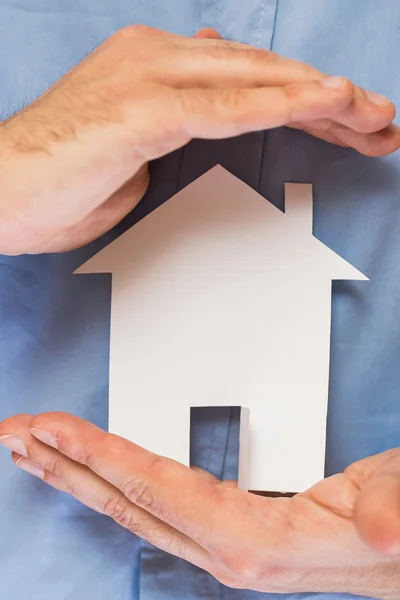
x,y
218,206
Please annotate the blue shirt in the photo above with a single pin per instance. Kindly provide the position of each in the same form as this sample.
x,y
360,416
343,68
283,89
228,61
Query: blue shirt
x,y
55,327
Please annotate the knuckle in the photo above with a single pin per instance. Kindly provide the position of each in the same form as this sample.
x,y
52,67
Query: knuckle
x,y
249,571
200,102
120,510
233,99
293,97
121,36
55,466
133,32
239,567
243,572
140,29
83,456
354,471
137,491
292,92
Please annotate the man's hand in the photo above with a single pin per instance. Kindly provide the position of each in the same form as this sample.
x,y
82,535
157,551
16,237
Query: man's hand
x,y
74,162
310,542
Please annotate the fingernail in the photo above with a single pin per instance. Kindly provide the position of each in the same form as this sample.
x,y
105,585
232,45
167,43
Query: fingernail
x,y
30,467
14,443
334,82
44,436
377,99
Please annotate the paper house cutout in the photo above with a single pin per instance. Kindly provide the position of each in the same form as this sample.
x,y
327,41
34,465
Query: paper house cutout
x,y
220,299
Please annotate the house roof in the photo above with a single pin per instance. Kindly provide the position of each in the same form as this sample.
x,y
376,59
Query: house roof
x,y
220,213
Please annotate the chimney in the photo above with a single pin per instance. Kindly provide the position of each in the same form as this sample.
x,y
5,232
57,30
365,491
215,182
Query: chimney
x,y
299,206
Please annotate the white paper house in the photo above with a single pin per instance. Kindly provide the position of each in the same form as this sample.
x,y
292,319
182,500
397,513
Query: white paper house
x,y
220,299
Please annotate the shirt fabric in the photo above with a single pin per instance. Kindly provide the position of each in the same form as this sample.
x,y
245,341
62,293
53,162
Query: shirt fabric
x,y
54,341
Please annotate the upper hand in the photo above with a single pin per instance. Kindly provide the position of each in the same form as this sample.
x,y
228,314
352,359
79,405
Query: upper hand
x,y
342,535
83,147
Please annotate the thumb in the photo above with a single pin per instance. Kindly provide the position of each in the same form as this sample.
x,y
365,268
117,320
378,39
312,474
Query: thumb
x,y
209,33
377,510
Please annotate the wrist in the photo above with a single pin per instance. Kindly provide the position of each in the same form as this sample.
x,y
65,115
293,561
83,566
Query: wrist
x,y
53,175
382,582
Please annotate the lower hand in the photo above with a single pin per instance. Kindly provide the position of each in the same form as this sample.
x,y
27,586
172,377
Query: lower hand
x,y
84,146
342,535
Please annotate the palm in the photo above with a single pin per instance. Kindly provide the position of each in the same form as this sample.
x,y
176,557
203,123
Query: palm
x,y
306,536
102,218
310,542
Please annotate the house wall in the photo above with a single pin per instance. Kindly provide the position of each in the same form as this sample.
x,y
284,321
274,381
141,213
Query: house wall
x,y
246,341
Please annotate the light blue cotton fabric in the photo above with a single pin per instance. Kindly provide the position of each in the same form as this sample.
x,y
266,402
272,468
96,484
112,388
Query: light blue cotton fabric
x,y
55,327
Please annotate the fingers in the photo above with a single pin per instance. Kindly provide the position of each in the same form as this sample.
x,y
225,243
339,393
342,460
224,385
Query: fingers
x,y
368,113
214,69
226,113
377,510
379,143
71,477
219,63
166,489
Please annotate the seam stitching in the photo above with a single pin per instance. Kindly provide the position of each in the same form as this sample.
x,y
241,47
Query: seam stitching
x,y
261,23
